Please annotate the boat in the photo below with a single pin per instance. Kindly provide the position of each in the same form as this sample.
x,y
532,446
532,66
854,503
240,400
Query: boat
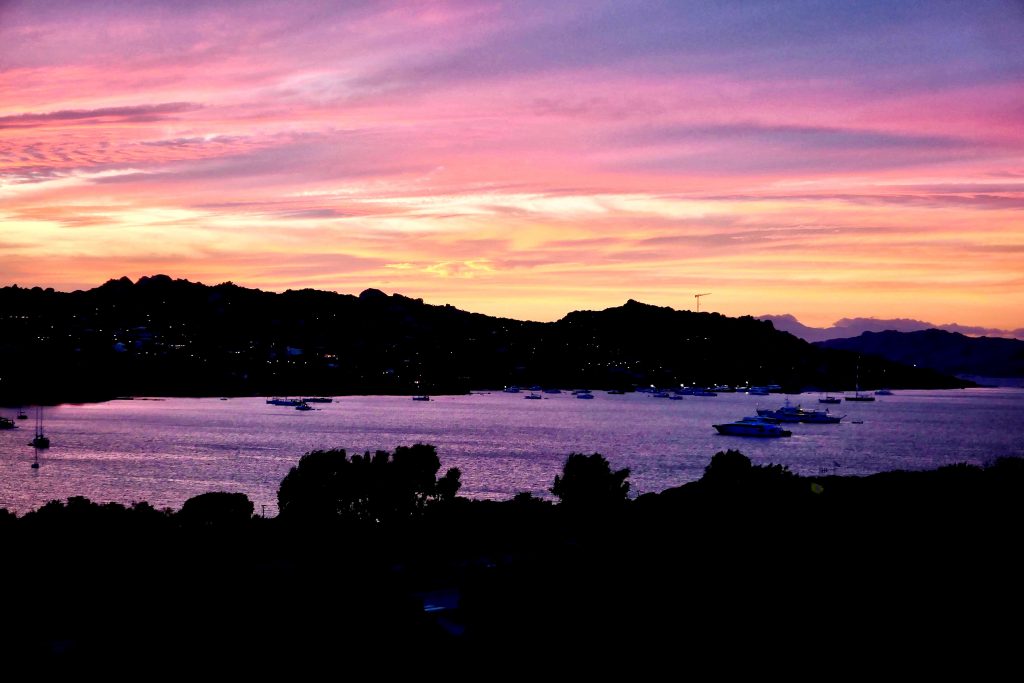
x,y
883,392
820,417
552,391
511,390
830,400
703,392
794,413
304,406
534,396
22,415
7,423
293,402
857,396
784,413
760,419
317,399
584,394
422,397
40,440
752,426
616,392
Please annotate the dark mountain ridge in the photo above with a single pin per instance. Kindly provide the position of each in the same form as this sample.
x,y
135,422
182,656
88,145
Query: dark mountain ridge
x,y
950,353
853,327
161,336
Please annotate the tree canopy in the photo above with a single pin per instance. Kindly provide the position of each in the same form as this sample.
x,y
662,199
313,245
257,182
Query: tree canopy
x,y
379,488
587,482
217,508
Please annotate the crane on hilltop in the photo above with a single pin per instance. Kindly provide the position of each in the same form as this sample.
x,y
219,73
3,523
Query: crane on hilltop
x,y
697,297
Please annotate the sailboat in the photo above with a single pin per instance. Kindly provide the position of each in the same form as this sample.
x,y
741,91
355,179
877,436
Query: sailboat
x,y
857,396
40,440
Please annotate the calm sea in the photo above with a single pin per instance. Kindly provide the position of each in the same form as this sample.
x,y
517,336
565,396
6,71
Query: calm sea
x,y
167,450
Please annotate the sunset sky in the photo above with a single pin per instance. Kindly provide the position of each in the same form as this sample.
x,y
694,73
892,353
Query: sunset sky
x,y
526,159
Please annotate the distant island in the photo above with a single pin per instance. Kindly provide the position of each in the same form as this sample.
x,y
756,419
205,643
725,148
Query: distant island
x,y
165,337
846,328
981,359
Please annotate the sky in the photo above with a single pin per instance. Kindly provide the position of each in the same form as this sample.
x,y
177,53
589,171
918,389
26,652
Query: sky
x,y
526,159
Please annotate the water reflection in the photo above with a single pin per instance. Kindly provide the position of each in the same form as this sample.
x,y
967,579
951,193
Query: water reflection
x,y
165,451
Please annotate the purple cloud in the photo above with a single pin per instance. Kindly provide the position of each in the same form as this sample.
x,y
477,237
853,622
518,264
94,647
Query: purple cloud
x,y
137,114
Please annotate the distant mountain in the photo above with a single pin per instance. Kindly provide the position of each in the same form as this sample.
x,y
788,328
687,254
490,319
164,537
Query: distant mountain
x,y
950,353
161,336
852,327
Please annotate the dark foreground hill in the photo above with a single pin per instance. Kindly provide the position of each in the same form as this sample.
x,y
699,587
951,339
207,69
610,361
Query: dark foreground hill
x,y
950,353
752,568
160,336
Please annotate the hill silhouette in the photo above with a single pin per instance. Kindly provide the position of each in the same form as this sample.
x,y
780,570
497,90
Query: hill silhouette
x,y
950,353
161,336
845,328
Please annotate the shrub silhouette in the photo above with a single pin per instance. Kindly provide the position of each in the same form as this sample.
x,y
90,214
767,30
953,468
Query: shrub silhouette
x,y
727,467
372,488
732,468
216,508
587,482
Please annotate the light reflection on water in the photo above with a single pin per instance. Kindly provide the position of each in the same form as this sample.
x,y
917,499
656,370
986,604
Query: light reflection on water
x,y
165,451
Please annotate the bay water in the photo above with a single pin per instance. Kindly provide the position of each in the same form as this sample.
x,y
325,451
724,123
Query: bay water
x,y
164,451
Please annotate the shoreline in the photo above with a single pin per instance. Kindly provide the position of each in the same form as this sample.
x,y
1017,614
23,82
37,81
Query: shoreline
x,y
1011,383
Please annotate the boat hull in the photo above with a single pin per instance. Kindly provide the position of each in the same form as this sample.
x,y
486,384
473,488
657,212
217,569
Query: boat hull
x,y
764,431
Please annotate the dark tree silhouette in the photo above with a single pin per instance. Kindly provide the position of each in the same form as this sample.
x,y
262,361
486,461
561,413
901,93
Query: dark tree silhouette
x,y
588,483
448,486
217,508
727,467
374,488
731,468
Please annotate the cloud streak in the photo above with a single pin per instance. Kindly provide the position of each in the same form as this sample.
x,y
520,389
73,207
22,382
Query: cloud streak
x,y
137,114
